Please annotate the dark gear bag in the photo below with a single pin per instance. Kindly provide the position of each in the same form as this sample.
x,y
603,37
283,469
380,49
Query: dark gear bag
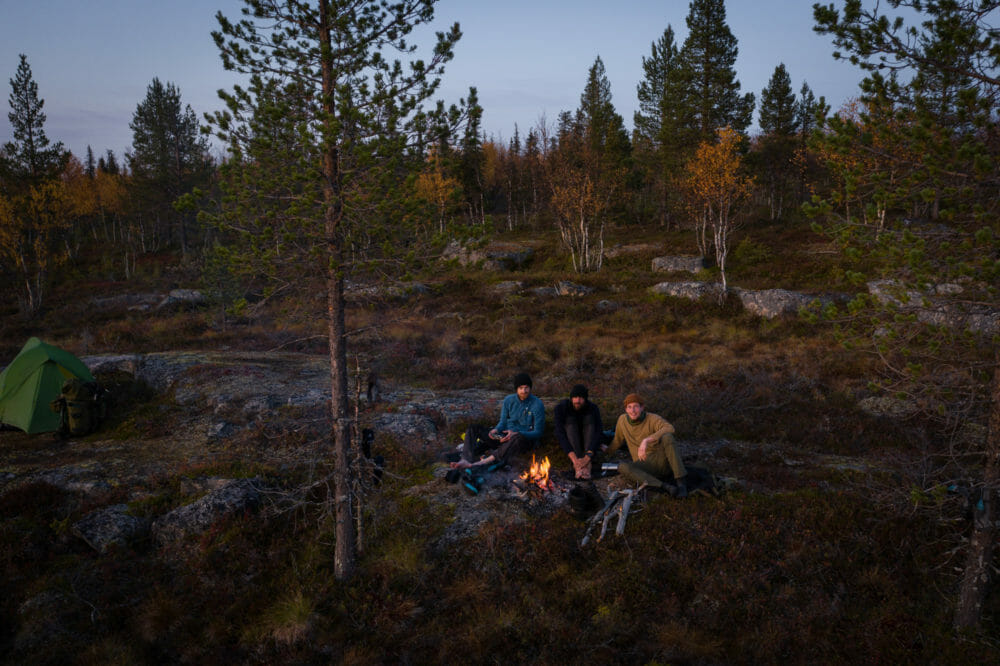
x,y
476,442
81,406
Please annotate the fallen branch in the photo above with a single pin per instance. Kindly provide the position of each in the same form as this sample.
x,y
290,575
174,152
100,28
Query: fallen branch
x,y
619,503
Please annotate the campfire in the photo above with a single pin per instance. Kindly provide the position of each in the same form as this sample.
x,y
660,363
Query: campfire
x,y
538,474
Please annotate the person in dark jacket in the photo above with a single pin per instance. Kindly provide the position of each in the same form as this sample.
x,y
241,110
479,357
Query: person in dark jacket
x,y
578,429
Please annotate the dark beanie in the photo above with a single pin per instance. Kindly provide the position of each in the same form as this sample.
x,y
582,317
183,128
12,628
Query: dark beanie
x,y
579,391
522,379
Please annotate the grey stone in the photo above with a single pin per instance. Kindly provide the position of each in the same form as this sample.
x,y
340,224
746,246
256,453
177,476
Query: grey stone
x,y
405,290
416,432
507,287
108,527
182,298
566,288
690,290
888,406
931,307
771,303
634,248
607,306
681,263
233,498
494,257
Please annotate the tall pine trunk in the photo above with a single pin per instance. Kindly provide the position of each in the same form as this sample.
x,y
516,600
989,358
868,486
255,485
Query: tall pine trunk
x,y
978,566
345,546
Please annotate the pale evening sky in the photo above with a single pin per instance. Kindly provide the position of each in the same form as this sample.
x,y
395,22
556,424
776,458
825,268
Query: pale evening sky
x,y
93,61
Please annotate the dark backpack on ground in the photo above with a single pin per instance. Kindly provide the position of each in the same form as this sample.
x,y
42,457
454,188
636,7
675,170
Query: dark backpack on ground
x,y
476,442
81,406
701,478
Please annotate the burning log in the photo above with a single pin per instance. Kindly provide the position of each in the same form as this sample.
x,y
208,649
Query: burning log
x,y
538,474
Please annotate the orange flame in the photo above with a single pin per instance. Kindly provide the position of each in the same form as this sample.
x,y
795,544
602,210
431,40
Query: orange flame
x,y
538,474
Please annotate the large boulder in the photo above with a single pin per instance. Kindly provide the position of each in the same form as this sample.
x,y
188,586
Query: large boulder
x,y
414,432
567,288
690,290
497,256
110,527
182,299
771,303
234,498
931,306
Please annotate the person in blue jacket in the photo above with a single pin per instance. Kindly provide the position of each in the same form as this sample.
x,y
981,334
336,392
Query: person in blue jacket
x,y
522,420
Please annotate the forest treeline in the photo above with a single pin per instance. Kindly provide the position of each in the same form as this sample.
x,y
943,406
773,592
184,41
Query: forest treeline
x,y
688,162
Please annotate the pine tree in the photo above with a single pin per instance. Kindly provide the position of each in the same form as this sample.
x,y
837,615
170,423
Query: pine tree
x,y
29,159
169,158
35,208
928,148
342,127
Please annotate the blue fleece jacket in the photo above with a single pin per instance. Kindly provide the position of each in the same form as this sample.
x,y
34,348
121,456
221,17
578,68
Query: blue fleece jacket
x,y
526,417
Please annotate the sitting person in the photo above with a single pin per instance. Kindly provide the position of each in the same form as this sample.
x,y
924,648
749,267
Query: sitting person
x,y
522,420
578,430
651,444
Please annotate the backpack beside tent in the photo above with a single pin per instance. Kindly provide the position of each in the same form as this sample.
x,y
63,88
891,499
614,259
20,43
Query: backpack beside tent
x,y
32,381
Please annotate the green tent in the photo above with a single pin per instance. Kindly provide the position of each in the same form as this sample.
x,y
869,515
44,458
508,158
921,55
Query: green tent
x,y
34,379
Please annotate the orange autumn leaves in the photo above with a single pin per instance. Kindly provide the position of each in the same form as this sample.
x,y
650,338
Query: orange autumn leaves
x,y
714,187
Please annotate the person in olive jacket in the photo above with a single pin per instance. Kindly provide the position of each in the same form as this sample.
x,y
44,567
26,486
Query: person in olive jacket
x,y
650,440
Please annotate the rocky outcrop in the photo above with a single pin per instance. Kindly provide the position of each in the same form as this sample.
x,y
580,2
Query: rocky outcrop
x,y
931,306
414,432
633,248
507,287
566,288
234,498
690,290
771,303
493,257
181,299
678,264
110,527
399,291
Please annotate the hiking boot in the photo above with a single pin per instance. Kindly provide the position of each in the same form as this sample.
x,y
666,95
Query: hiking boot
x,y
682,489
666,489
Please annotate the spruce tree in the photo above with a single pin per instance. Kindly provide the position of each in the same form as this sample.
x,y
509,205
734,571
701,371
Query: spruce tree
x,y
777,142
655,161
652,90
704,93
602,126
169,158
338,136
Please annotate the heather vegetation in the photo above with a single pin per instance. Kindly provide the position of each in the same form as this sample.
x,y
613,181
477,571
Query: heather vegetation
x,y
857,438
